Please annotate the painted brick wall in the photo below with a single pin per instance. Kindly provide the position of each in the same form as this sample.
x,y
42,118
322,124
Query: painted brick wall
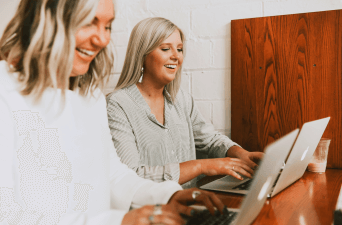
x,y
206,24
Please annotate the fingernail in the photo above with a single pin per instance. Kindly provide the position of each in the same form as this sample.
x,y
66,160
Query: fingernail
x,y
193,212
241,178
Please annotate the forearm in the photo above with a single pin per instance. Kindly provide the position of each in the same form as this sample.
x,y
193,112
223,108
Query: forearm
x,y
189,170
235,151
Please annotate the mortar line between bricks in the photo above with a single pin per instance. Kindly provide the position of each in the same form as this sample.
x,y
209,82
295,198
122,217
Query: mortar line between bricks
x,y
206,69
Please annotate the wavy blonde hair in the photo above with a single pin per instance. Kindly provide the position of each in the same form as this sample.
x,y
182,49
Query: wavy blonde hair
x,y
39,42
146,36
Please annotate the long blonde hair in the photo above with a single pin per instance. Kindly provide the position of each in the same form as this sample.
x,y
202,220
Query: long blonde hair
x,y
146,36
40,42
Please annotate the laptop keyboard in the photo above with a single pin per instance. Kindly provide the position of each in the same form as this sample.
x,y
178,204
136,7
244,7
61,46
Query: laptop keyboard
x,y
244,186
205,218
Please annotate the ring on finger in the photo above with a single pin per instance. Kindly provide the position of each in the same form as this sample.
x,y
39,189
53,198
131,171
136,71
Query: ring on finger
x,y
157,210
233,168
151,219
195,194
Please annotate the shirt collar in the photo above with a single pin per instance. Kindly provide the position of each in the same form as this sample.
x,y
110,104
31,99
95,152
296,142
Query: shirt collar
x,y
139,99
135,94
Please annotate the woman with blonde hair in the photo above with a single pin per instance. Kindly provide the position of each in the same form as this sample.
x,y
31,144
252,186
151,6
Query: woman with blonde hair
x,y
57,162
156,128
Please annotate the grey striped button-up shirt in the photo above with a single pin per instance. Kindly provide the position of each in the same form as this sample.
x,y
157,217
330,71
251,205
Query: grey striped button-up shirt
x,y
154,150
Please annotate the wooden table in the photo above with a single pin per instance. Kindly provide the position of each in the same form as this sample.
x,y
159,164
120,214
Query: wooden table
x,y
310,200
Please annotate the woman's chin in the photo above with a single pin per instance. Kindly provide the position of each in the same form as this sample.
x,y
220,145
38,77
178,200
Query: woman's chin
x,y
79,71
170,78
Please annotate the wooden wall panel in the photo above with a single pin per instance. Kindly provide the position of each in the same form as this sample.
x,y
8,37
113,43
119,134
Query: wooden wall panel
x,y
286,70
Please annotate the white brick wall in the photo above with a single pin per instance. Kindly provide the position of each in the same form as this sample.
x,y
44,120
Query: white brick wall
x,y
206,24
7,10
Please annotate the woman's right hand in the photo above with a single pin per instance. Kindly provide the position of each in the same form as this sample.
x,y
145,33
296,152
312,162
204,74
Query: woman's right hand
x,y
226,166
145,215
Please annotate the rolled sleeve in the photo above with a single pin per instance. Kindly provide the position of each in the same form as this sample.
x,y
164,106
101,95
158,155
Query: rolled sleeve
x,y
207,140
172,172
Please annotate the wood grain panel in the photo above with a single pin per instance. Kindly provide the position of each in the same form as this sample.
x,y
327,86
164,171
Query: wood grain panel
x,y
286,70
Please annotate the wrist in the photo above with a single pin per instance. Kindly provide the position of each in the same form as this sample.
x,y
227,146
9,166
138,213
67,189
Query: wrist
x,y
172,197
202,166
235,151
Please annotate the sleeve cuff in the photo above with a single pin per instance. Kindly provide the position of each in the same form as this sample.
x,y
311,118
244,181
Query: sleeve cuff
x,y
172,172
233,144
221,151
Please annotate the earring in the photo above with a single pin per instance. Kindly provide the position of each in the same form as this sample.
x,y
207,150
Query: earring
x,y
142,73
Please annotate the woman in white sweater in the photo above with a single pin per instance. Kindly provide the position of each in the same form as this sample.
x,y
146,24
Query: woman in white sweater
x,y
58,164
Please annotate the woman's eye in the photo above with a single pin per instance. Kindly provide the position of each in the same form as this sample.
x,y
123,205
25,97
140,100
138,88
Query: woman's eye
x,y
165,49
180,50
109,28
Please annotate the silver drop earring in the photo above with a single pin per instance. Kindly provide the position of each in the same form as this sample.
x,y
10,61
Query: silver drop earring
x,y
142,73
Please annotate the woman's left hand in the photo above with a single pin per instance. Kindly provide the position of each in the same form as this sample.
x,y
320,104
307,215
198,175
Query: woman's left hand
x,y
251,158
181,199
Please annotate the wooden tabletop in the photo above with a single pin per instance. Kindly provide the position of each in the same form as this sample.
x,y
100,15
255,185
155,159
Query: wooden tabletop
x,y
310,200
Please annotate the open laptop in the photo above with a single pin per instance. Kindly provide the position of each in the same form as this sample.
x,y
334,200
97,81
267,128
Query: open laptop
x,y
275,154
294,168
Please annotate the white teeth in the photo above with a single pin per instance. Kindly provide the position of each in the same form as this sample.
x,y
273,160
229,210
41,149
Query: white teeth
x,y
171,66
86,52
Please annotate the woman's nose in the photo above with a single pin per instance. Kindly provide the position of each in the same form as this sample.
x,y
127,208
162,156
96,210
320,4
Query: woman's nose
x,y
101,38
175,54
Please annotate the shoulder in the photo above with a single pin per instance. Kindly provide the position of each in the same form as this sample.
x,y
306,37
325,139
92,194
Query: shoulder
x,y
119,101
117,96
3,68
7,79
99,96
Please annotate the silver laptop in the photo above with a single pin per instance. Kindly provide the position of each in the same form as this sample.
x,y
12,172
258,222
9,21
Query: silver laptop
x,y
275,154
294,168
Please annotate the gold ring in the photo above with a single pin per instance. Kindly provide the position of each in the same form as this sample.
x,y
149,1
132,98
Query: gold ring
x,y
195,194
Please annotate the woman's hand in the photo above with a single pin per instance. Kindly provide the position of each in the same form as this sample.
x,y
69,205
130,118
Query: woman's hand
x,y
181,199
250,158
151,214
226,166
